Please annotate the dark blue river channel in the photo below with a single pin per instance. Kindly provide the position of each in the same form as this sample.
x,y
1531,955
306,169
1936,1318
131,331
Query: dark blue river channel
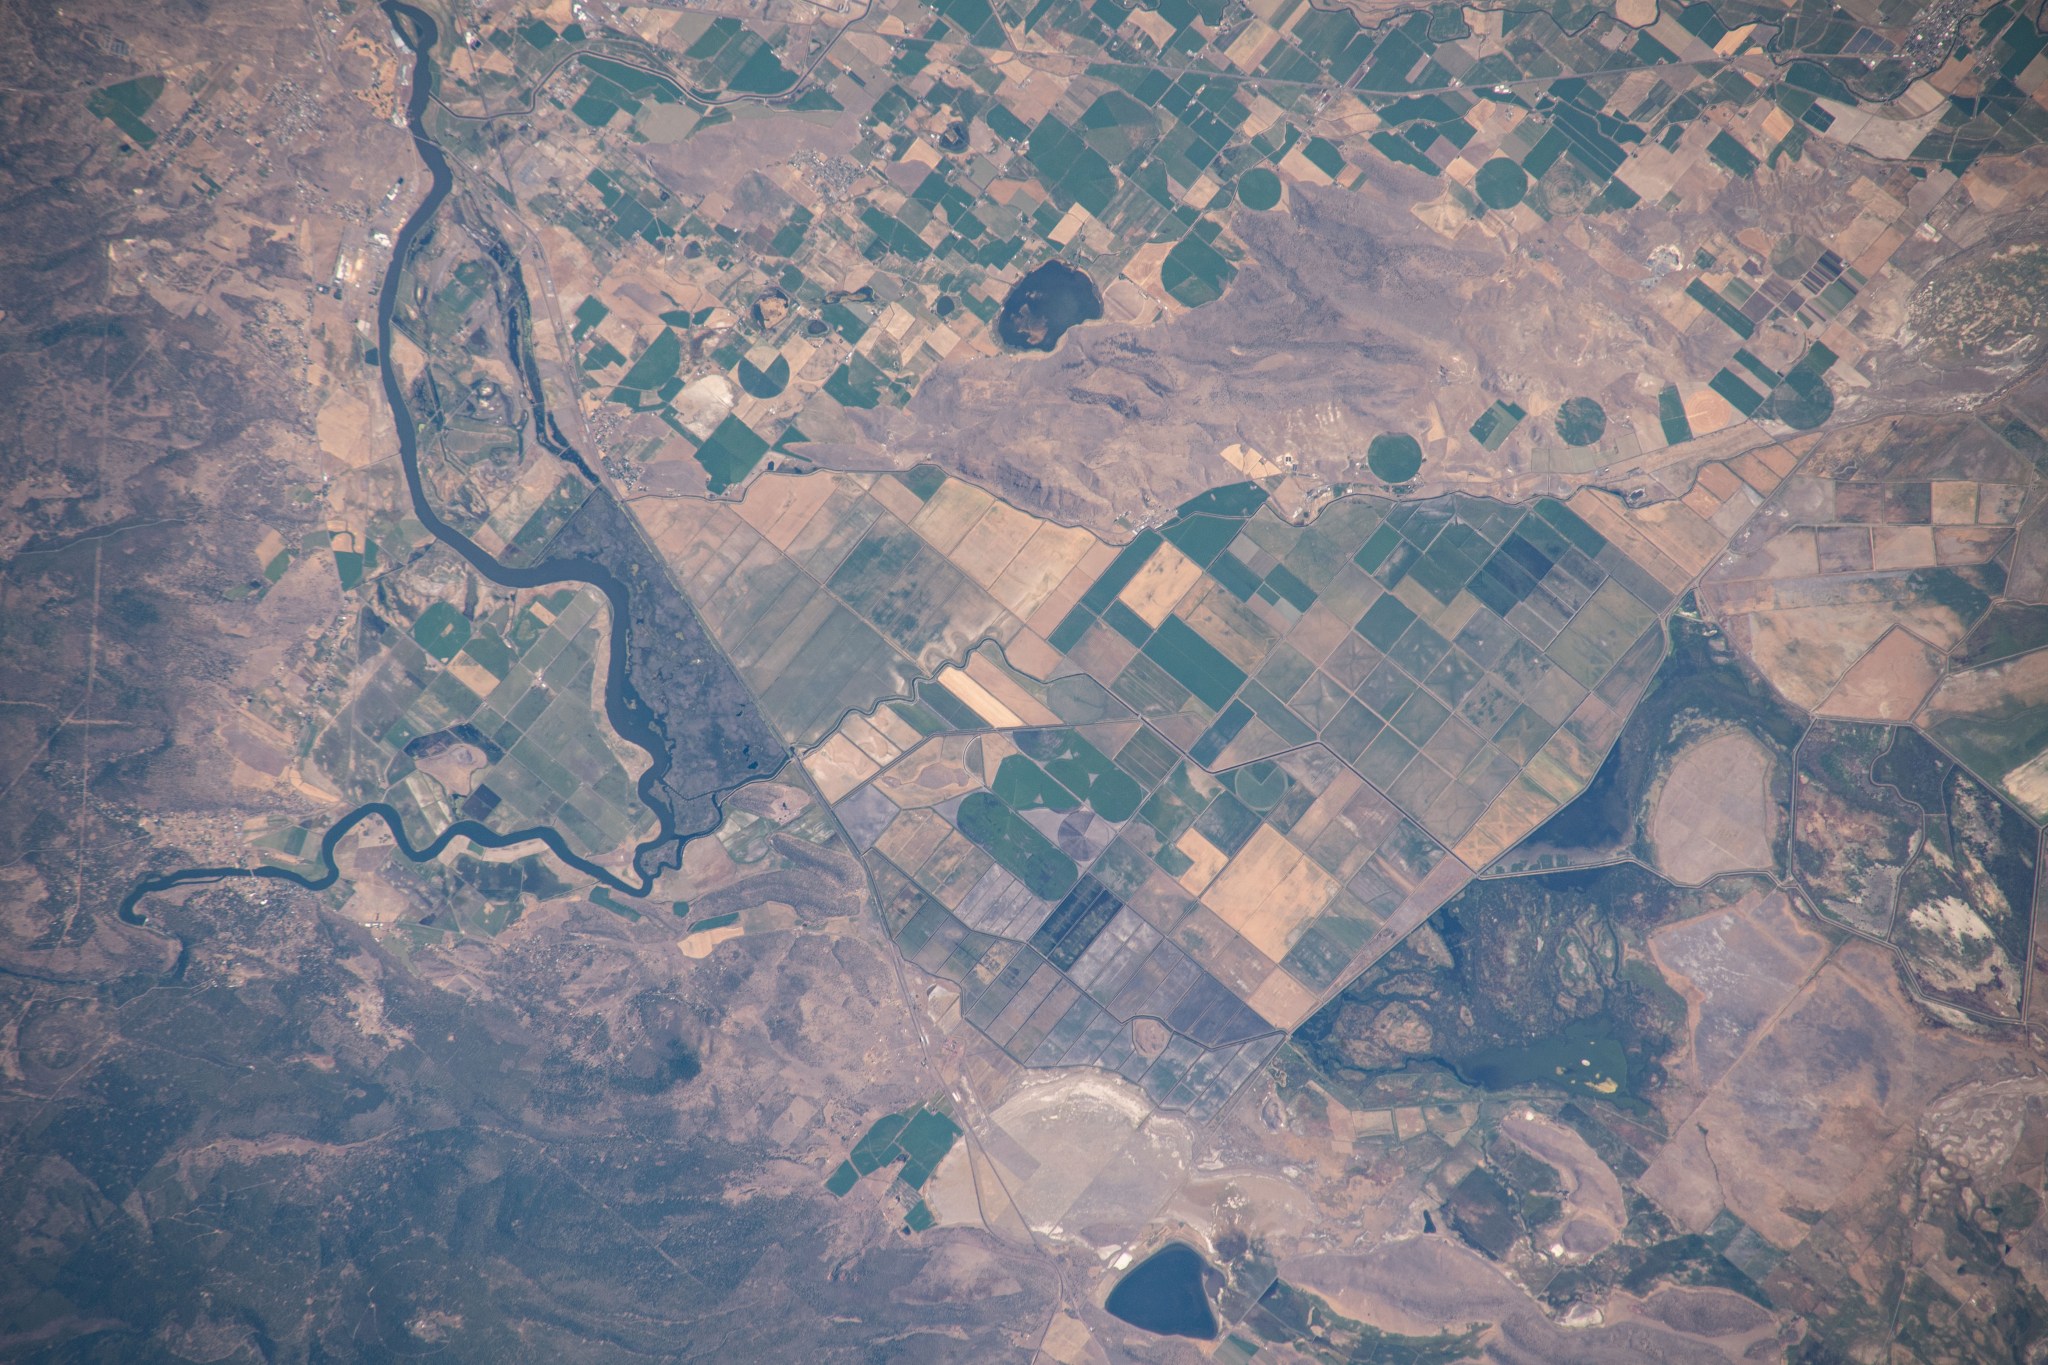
x,y
628,712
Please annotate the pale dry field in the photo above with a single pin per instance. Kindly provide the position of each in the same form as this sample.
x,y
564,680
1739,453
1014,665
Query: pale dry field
x,y
1714,813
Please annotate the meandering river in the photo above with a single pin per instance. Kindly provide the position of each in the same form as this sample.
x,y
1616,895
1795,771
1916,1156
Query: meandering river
x,y
628,712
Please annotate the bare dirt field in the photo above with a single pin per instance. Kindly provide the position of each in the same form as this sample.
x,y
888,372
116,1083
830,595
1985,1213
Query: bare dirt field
x,y
1830,1082
1888,683
1714,813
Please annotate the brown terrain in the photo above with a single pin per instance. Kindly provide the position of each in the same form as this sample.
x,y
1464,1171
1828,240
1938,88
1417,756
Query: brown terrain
x,y
488,1103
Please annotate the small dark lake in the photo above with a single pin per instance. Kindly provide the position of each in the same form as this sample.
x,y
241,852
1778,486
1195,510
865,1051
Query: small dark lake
x,y
1164,1293
1044,304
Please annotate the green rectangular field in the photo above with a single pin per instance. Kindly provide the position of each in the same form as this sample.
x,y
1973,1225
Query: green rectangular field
x,y
1193,662
1121,571
1021,850
1496,423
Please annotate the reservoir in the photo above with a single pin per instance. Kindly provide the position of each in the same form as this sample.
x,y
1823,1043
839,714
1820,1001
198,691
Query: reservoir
x,y
1164,1293
1044,304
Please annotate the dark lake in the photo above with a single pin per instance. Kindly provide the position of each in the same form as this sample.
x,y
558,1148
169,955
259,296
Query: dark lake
x,y
1583,1060
1164,1293
1044,304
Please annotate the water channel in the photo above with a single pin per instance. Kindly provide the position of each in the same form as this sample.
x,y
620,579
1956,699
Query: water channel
x,y
628,712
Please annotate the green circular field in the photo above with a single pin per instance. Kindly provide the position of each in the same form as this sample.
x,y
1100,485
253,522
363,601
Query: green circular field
x,y
764,383
1258,188
1803,401
1260,786
1115,795
1501,184
1394,456
1581,421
